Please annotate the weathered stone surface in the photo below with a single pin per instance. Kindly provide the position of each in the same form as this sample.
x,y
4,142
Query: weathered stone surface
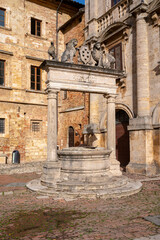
x,y
136,28
153,219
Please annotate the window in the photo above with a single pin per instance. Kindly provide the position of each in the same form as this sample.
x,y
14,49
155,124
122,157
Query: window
x,y
35,78
114,2
35,127
35,27
116,51
2,17
2,63
2,125
64,95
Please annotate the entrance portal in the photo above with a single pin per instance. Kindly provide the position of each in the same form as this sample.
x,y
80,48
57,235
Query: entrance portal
x,y
122,138
71,136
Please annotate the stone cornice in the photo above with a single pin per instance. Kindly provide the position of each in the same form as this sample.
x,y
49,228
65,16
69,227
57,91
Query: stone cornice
x,y
81,67
142,7
6,52
34,58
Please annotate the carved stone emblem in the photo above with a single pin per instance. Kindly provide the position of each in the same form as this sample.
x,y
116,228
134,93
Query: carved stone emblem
x,y
85,54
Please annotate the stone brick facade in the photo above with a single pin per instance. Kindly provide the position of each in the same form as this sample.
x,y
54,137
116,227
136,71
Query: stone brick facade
x,y
131,31
25,110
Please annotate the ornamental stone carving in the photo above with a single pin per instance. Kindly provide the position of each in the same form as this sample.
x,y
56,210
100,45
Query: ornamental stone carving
x,y
70,51
51,52
101,57
84,54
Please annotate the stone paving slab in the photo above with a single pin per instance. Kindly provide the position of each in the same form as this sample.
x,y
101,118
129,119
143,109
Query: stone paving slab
x,y
156,237
153,219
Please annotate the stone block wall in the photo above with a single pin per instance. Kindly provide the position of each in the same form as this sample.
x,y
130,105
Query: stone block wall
x,y
19,105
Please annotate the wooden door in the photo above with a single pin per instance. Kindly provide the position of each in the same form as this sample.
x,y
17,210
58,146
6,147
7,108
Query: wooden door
x,y
122,138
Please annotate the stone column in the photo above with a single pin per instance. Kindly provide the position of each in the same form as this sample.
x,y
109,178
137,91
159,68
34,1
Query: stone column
x,y
51,169
52,126
111,135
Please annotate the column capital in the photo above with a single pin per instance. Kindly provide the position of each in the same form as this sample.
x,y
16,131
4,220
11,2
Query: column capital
x,y
110,97
52,93
141,16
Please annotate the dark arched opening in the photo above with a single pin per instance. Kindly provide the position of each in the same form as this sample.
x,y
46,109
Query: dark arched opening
x,y
122,138
71,136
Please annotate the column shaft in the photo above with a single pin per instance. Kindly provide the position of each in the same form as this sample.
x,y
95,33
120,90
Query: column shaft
x,y
52,126
111,135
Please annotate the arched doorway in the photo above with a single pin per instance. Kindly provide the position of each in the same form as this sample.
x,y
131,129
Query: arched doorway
x,y
122,138
71,137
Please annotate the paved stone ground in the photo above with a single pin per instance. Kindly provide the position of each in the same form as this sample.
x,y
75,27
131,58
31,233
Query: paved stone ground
x,y
25,215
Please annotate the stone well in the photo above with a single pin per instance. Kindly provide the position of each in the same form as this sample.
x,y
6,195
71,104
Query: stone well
x,y
82,172
85,173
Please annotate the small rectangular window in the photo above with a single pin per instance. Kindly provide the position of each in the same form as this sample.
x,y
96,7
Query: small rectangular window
x,y
116,51
2,17
64,95
114,2
35,126
35,27
2,65
2,125
36,78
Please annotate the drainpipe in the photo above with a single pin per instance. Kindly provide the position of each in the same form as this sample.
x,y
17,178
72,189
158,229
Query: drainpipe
x,y
57,29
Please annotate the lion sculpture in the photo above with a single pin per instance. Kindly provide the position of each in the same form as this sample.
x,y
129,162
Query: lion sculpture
x,y
70,51
101,58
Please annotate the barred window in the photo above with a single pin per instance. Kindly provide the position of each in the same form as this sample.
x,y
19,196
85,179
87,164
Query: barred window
x,y
2,17
2,65
35,126
2,125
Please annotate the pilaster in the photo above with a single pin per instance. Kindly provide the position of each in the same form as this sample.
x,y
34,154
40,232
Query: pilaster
x,y
142,65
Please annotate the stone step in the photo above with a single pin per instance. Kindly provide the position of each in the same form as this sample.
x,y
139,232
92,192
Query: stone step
x,y
75,186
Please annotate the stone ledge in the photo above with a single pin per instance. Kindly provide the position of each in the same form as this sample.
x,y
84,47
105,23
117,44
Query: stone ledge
x,y
140,123
21,168
6,52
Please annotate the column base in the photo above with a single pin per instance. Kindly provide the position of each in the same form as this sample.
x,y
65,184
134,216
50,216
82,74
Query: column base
x,y
51,174
115,167
142,146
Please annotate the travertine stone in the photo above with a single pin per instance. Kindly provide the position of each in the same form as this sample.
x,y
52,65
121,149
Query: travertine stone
x,y
52,126
142,66
111,134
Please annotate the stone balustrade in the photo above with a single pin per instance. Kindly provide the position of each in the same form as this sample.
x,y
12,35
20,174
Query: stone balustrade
x,y
115,14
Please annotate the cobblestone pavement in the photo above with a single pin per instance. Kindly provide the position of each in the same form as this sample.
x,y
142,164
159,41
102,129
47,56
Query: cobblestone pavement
x,y
28,216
